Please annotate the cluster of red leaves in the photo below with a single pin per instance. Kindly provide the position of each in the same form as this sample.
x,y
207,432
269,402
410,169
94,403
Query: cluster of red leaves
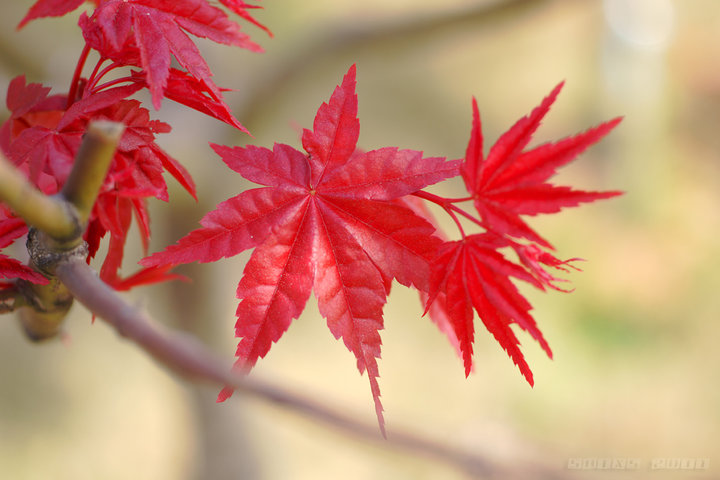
x,y
334,220
473,273
339,222
44,132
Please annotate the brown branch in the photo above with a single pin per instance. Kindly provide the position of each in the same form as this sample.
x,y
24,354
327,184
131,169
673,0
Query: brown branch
x,y
45,306
185,355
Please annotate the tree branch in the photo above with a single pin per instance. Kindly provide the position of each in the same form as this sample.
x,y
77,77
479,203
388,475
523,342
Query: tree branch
x,y
185,355
57,225
63,217
91,166
50,214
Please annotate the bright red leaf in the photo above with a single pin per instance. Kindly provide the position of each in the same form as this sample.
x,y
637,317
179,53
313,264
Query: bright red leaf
x,y
241,8
187,90
474,275
50,8
511,182
325,222
159,30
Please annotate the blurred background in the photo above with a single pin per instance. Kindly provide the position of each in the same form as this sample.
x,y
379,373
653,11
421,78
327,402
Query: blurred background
x,y
635,374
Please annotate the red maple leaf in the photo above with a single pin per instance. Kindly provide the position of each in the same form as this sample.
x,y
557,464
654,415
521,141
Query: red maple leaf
x,y
241,8
187,90
511,182
472,275
327,221
158,30
51,8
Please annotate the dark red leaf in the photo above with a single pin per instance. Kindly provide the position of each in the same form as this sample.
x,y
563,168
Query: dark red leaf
x,y
92,104
335,130
118,225
11,229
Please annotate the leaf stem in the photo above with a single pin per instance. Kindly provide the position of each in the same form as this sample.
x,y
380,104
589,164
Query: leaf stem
x,y
430,197
457,200
94,76
465,214
97,88
75,83
457,221
447,205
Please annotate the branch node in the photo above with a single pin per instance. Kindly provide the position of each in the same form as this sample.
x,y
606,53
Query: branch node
x,y
47,305
46,254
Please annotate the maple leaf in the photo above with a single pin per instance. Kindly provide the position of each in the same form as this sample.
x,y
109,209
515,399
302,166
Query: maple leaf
x,y
473,274
146,276
511,182
325,222
187,90
241,9
50,8
22,97
159,30
535,258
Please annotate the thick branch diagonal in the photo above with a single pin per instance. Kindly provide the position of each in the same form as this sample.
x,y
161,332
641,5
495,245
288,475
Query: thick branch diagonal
x,y
185,355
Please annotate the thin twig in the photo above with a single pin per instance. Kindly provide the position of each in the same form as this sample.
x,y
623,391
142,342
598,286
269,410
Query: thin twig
x,y
91,165
188,357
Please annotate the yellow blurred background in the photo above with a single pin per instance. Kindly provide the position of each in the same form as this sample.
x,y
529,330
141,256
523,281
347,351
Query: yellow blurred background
x,y
635,375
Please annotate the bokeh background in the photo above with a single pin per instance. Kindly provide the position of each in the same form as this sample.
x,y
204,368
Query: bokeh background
x,y
635,375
